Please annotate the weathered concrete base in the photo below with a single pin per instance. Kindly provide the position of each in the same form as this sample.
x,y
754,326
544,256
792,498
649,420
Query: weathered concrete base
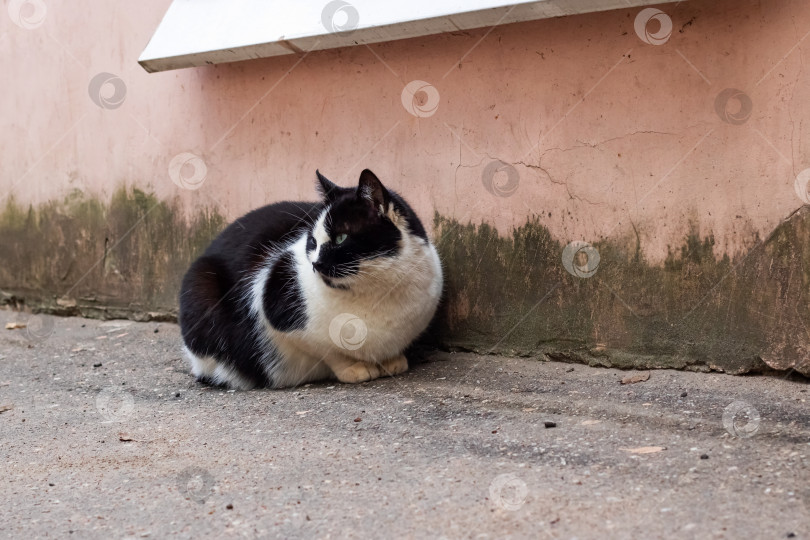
x,y
82,256
700,310
504,294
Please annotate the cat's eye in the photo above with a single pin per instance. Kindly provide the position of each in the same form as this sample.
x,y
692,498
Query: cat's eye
x,y
311,244
339,239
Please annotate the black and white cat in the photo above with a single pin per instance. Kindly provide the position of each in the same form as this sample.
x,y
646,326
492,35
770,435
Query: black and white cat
x,y
296,291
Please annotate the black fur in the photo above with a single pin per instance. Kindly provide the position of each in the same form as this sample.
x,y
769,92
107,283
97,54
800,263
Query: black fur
x,y
214,318
368,235
333,192
283,300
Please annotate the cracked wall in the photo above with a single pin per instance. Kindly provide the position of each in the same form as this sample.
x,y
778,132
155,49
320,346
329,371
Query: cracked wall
x,y
680,160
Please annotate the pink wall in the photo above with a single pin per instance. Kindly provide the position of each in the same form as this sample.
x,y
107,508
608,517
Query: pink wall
x,y
604,129
611,139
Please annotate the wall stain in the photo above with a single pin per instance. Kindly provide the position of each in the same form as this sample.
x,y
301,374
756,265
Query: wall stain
x,y
699,311
81,256
508,295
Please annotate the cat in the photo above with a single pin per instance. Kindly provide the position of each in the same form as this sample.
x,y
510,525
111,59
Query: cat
x,y
295,292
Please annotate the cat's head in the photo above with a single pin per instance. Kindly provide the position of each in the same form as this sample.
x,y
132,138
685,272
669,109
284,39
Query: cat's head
x,y
360,231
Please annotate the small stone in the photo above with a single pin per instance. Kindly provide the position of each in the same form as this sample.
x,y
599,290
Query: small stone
x,y
97,365
177,394
684,394
569,370
358,419
229,506
791,535
704,456
51,484
550,424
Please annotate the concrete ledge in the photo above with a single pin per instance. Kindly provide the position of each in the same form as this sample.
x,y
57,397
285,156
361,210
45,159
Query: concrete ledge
x,y
193,34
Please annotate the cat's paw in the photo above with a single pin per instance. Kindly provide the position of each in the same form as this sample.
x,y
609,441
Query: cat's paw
x,y
394,366
358,372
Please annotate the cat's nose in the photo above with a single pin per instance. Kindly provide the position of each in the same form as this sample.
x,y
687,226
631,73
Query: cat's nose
x,y
318,266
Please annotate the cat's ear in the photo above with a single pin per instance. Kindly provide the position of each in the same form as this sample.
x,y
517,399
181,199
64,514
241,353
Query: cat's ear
x,y
371,190
328,189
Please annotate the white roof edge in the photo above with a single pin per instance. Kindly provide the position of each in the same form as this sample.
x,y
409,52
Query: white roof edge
x,y
218,31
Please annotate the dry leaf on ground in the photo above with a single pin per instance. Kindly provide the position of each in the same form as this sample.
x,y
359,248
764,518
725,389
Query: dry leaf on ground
x,y
637,378
645,449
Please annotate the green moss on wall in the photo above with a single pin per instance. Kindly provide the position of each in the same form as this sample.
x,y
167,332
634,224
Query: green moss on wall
x,y
83,256
505,294
700,310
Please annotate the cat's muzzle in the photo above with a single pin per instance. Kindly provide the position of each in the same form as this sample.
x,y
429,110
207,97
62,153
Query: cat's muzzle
x,y
329,274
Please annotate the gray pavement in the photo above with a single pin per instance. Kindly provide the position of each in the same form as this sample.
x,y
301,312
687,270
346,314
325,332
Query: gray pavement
x,y
107,436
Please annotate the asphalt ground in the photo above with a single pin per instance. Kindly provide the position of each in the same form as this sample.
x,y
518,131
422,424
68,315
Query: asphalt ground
x,y
106,435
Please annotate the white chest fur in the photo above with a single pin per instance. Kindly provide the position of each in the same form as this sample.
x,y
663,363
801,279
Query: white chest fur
x,y
384,308
388,305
